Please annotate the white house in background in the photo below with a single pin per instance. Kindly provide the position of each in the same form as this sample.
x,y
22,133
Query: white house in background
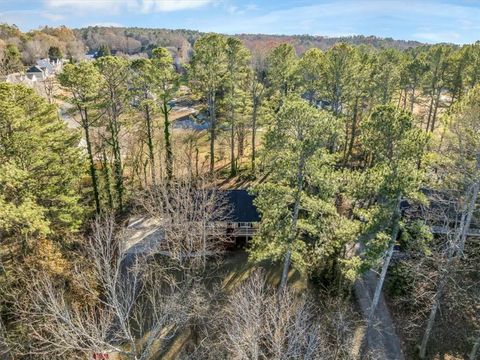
x,y
50,67
17,78
44,69
35,73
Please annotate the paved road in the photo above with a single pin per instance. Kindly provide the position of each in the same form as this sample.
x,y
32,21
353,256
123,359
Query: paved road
x,y
382,339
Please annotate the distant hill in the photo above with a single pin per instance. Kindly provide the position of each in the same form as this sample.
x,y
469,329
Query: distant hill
x,y
131,40
304,42
139,41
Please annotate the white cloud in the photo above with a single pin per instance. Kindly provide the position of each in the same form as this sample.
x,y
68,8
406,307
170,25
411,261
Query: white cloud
x,y
53,16
25,18
172,5
144,6
82,4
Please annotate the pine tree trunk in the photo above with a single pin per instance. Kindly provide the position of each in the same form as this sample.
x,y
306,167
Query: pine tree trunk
x,y
151,153
286,267
412,100
254,132
168,143
429,113
471,209
117,161
475,348
106,175
435,109
386,262
240,141
211,108
93,171
353,132
433,313
293,230
233,167
196,161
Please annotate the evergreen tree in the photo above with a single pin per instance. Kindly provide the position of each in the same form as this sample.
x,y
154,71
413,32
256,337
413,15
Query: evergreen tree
x,y
54,53
167,85
102,51
40,168
236,77
337,84
114,75
208,69
294,148
282,74
82,82
393,145
144,84
10,60
435,80
311,70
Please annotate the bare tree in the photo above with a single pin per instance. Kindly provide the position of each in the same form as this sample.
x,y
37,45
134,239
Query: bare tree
x,y
4,346
137,307
49,87
258,323
243,314
193,218
464,147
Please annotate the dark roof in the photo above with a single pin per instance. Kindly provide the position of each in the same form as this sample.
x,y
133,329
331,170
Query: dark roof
x,y
241,206
34,69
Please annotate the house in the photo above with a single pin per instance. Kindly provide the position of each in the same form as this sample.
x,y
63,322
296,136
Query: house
x,y
43,69
144,235
243,218
35,73
49,67
17,78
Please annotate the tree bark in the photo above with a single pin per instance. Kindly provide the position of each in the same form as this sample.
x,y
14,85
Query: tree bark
x,y
106,175
117,161
286,267
386,262
233,167
114,128
471,209
435,109
429,114
454,249
412,100
293,231
151,153
168,143
254,131
475,348
211,109
93,171
353,133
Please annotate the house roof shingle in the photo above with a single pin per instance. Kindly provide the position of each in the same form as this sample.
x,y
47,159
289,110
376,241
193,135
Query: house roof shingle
x,y
241,205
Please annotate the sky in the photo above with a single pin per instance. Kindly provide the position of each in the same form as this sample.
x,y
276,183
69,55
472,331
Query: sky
x,y
430,21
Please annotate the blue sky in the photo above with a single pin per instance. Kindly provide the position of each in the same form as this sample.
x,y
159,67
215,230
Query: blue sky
x,y
456,21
